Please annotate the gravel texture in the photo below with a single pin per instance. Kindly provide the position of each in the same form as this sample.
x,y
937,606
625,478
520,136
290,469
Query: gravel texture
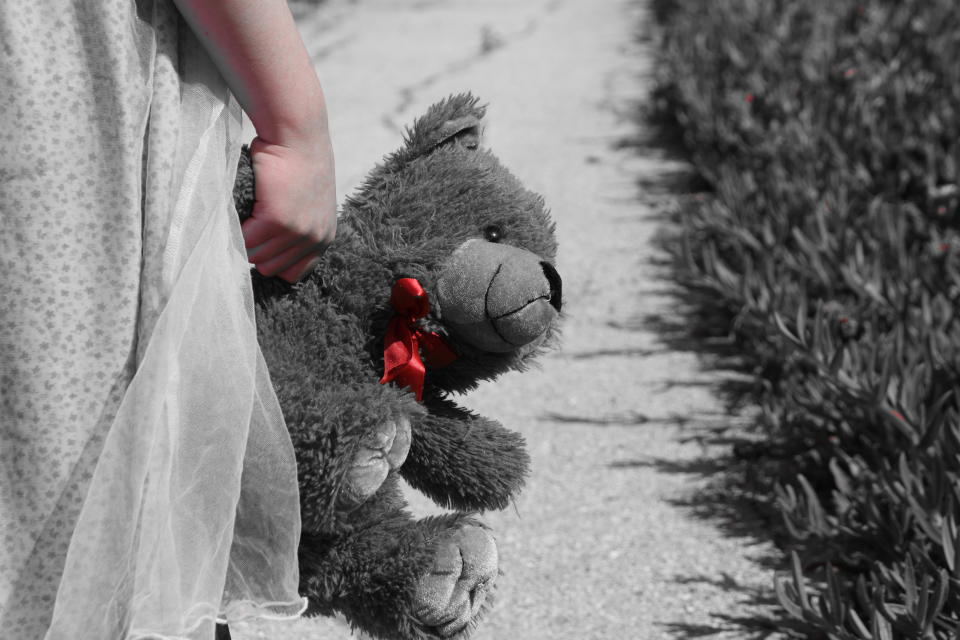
x,y
609,540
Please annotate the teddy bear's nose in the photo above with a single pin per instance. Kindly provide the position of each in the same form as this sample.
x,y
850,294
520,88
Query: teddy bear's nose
x,y
556,285
497,297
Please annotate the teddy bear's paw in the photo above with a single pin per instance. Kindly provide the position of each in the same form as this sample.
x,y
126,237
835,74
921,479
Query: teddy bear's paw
x,y
381,451
452,595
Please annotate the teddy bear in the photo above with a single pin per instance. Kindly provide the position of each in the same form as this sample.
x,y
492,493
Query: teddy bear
x,y
442,275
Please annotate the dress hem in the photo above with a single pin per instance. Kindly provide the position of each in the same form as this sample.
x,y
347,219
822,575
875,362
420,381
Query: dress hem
x,y
281,611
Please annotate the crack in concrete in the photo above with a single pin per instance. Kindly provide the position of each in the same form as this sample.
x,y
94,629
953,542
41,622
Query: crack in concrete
x,y
325,51
490,41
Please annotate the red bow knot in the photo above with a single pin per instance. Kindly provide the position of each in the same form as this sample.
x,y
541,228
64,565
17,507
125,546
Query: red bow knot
x,y
405,338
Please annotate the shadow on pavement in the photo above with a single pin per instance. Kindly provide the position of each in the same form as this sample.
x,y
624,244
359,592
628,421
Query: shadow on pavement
x,y
749,628
735,499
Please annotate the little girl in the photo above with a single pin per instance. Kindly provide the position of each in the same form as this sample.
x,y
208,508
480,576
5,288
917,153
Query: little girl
x,y
147,482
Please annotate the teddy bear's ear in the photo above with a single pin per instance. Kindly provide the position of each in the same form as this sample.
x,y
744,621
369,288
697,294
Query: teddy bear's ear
x,y
464,131
455,120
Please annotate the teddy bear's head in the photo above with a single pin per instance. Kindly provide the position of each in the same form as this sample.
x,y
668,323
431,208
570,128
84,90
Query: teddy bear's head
x,y
445,212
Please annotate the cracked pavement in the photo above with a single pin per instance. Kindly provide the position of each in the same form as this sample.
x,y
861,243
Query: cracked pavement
x,y
608,540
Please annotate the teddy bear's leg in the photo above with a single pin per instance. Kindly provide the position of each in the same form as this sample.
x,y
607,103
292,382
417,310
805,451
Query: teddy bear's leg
x,y
398,578
341,468
380,451
347,439
464,461
451,597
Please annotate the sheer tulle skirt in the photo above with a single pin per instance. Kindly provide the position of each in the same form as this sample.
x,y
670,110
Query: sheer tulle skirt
x,y
191,511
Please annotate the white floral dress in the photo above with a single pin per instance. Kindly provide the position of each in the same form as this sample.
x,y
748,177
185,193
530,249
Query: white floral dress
x,y
132,393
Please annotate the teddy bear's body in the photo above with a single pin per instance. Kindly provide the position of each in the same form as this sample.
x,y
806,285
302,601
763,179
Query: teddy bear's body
x,y
441,276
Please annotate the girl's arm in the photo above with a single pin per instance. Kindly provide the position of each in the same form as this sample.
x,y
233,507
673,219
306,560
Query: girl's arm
x,y
258,49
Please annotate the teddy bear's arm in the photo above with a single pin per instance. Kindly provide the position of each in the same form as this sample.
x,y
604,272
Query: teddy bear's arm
x,y
463,460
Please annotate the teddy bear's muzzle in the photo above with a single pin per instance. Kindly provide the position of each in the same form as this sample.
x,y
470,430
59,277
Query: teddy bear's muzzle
x,y
497,297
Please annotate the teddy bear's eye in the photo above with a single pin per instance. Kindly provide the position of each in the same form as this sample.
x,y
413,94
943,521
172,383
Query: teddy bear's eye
x,y
492,233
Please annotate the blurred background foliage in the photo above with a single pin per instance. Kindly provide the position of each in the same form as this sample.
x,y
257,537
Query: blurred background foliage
x,y
827,251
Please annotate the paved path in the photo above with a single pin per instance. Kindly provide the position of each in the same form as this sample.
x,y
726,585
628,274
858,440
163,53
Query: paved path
x,y
600,545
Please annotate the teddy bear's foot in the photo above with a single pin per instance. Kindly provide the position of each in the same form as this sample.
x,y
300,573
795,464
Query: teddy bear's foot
x,y
381,451
453,594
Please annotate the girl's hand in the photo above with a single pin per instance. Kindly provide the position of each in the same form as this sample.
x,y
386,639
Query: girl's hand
x,y
258,50
294,216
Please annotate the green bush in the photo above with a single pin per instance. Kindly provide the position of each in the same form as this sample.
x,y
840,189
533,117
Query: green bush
x,y
829,131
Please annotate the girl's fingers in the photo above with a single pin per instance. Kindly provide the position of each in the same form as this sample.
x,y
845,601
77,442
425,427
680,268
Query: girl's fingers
x,y
273,248
256,231
300,269
289,259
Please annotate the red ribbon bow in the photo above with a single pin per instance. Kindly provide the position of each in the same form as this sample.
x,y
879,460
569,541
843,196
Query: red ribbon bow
x,y
405,338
